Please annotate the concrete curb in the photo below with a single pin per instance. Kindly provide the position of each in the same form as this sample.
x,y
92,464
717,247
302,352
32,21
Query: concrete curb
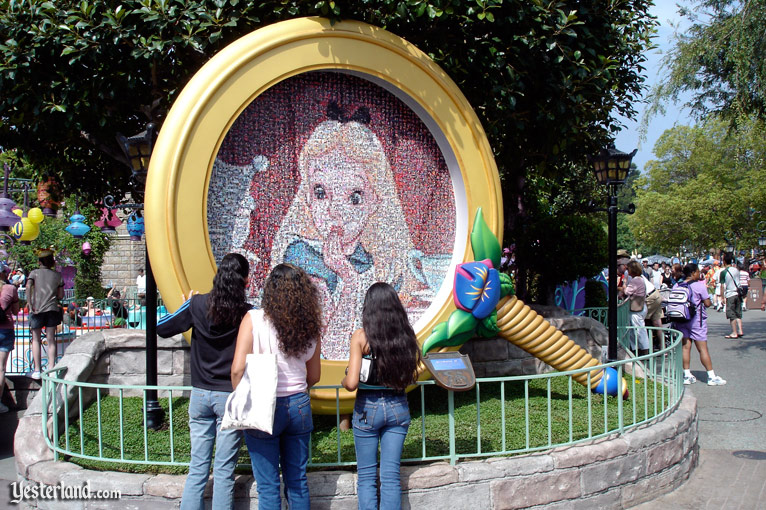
x,y
613,472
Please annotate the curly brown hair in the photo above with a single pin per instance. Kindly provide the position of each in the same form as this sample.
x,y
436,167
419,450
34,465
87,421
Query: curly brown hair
x,y
291,302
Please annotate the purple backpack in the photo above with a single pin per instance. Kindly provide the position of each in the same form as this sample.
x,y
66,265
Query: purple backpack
x,y
680,307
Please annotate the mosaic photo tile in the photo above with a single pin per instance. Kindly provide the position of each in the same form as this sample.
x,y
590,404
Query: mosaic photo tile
x,y
335,174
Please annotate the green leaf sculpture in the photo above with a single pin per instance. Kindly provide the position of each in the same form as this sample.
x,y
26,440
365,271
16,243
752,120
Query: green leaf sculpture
x,y
471,277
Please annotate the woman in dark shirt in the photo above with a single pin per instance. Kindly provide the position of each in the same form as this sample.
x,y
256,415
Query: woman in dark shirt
x,y
214,319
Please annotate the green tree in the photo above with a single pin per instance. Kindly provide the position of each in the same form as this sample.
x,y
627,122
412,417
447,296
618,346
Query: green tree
x,y
68,250
560,249
546,78
719,60
707,181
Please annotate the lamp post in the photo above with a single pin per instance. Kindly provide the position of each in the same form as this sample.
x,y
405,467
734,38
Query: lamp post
x,y
611,168
138,150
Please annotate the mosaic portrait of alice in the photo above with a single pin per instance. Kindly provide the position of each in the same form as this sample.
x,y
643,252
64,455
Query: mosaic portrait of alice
x,y
345,226
335,174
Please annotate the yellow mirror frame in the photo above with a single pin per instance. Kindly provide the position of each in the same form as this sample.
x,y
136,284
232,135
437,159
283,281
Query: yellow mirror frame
x,y
187,145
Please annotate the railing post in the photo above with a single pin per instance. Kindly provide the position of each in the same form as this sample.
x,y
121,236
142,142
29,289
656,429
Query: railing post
x,y
451,412
55,419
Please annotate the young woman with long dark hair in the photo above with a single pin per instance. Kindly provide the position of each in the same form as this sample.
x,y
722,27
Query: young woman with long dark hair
x,y
381,413
290,323
214,319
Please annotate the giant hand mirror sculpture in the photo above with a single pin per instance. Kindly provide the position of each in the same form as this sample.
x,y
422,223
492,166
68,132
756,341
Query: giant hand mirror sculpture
x,y
340,148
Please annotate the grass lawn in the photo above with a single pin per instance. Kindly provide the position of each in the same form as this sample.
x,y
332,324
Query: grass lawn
x,y
520,433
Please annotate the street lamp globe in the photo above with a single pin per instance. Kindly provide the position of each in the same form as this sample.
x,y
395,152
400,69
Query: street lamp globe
x,y
611,166
138,150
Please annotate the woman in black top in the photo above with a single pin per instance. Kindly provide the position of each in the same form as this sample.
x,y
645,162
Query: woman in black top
x,y
214,319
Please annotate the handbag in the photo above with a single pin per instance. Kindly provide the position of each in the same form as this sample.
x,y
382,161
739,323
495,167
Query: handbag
x,y
742,293
252,403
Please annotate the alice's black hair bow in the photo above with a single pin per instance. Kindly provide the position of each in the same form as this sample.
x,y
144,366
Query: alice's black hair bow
x,y
361,115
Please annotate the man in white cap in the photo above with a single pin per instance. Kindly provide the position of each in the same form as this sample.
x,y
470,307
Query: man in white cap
x,y
44,289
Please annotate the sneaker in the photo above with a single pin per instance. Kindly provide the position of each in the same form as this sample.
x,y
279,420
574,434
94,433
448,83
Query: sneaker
x,y
690,379
3,408
715,381
34,375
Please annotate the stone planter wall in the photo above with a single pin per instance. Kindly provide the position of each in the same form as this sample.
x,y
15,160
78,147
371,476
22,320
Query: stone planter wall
x,y
615,472
496,357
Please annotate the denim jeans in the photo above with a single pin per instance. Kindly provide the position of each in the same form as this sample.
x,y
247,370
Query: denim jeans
x,y
288,445
380,416
206,409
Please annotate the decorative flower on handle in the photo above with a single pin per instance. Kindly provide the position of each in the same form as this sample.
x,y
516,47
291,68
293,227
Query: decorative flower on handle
x,y
477,288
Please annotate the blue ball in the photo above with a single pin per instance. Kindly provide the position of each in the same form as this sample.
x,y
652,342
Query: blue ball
x,y
611,380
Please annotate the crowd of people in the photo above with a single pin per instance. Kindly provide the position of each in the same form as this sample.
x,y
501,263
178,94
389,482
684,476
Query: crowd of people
x,y
224,330
721,285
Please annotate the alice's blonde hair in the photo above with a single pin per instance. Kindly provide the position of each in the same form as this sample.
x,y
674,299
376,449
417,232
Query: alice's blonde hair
x,y
386,235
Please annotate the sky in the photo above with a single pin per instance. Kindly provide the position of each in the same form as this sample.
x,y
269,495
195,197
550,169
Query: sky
x,y
629,138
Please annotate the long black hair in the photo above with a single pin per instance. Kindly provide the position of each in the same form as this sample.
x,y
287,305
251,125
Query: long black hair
x,y
227,303
390,335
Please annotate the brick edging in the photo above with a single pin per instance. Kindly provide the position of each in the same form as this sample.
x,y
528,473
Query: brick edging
x,y
614,472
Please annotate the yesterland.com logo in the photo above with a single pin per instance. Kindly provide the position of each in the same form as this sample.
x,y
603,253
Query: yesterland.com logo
x,y
25,491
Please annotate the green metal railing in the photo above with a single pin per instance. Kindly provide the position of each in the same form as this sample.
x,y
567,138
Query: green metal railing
x,y
78,323
601,314
536,412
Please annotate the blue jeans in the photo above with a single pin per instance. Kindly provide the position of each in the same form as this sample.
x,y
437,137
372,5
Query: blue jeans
x,y
288,445
206,409
379,416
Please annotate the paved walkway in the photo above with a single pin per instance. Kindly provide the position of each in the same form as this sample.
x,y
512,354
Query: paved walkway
x,y
732,428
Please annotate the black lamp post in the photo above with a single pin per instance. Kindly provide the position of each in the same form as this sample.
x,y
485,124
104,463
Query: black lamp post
x,y
138,150
611,167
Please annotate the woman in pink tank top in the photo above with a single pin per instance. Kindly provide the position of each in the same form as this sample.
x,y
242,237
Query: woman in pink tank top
x,y
292,322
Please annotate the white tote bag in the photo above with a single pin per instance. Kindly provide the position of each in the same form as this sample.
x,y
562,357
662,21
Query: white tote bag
x,y
251,405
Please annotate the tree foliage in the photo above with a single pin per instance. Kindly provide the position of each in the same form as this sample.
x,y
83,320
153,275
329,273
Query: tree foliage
x,y
561,249
69,250
546,78
719,60
707,182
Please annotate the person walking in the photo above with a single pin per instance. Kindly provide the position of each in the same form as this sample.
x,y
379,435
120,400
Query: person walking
x,y
214,319
695,329
718,299
381,413
744,284
9,302
729,278
635,291
44,289
290,323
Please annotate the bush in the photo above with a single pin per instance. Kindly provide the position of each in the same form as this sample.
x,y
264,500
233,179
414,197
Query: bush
x,y
69,250
595,294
